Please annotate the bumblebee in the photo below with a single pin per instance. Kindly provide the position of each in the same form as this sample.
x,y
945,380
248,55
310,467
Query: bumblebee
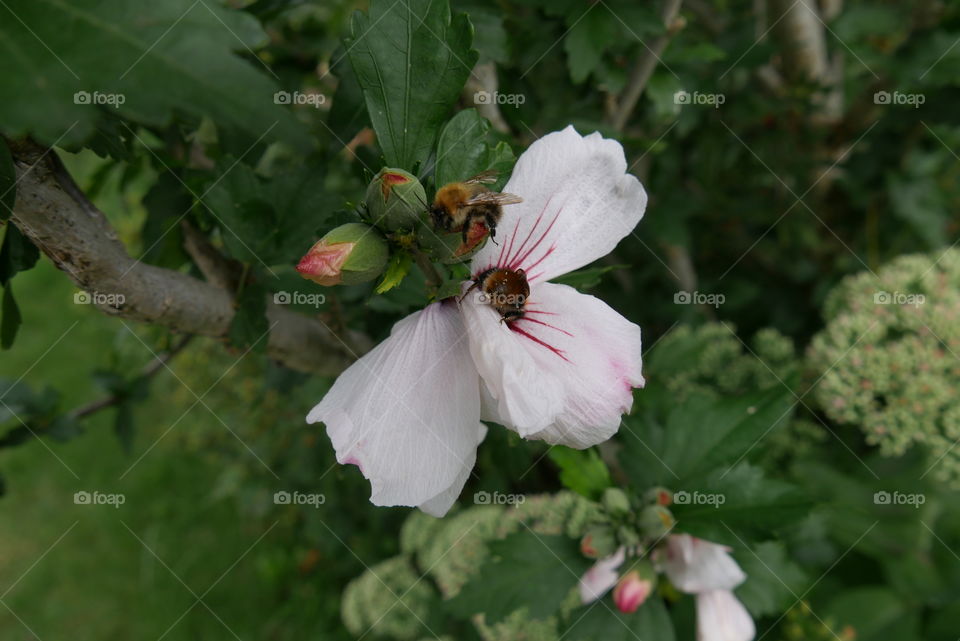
x,y
465,205
505,290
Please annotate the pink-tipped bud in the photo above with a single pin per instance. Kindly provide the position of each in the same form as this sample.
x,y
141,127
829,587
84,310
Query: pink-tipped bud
x,y
631,591
350,254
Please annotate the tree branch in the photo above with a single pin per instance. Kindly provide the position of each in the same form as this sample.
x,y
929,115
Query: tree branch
x,y
53,213
643,69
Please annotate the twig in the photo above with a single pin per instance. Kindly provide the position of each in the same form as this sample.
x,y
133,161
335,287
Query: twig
x,y
149,370
643,69
434,280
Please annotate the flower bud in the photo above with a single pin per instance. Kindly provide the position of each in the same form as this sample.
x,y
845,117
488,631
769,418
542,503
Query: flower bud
x,y
598,543
634,587
655,521
350,254
616,501
658,496
396,200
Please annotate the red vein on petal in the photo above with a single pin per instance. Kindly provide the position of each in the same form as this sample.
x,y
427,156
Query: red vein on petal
x,y
511,256
519,260
540,322
558,352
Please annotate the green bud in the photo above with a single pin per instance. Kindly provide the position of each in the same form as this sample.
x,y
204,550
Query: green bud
x,y
658,496
350,254
655,521
599,542
616,501
396,200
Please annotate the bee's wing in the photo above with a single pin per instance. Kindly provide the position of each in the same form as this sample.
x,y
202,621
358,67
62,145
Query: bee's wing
x,y
487,177
494,198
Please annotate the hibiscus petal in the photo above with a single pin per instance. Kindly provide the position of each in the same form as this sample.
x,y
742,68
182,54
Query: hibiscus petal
x,y
578,203
695,565
522,395
441,503
407,413
601,576
721,617
564,373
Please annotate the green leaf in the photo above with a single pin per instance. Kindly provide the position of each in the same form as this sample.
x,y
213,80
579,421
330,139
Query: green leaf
x,y
145,61
702,434
249,324
123,426
464,150
593,622
397,270
412,61
528,571
584,279
773,579
17,254
161,238
582,471
8,182
871,611
490,37
10,318
741,499
587,39
267,221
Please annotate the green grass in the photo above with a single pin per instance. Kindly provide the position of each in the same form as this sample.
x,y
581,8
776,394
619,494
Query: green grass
x,y
79,571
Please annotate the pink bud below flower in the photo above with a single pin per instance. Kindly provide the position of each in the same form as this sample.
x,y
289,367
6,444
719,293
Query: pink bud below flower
x,y
350,254
631,592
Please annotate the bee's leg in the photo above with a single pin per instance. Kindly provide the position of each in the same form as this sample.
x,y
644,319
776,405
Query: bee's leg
x,y
491,226
511,315
475,284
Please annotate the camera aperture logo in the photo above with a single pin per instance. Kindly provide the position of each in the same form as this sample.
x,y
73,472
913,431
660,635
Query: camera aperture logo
x,y
99,98
497,98
897,98
299,298
299,98
884,497
99,298
699,298
698,498
298,498
498,498
684,97
898,298
84,497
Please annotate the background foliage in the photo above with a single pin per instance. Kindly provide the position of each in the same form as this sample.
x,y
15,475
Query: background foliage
x,y
790,390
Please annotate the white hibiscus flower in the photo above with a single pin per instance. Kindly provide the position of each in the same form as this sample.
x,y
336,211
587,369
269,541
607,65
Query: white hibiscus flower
x,y
408,413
